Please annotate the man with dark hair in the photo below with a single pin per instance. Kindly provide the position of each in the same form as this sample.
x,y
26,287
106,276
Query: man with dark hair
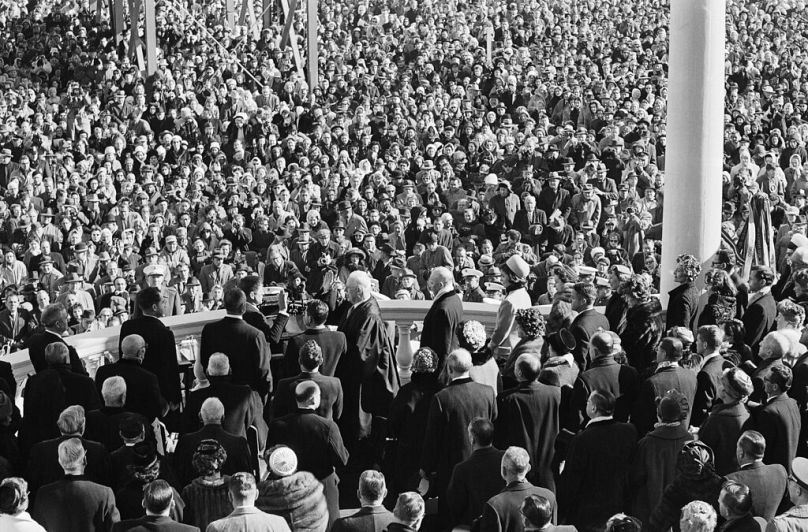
x,y
311,358
253,288
761,313
735,505
161,347
588,321
158,501
778,418
244,345
373,516
475,479
767,482
708,380
332,343
669,375
528,417
604,374
316,441
55,322
594,480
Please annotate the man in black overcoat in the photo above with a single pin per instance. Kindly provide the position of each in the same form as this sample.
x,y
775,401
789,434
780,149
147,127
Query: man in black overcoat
x,y
761,312
330,407
445,314
333,343
54,320
683,301
143,393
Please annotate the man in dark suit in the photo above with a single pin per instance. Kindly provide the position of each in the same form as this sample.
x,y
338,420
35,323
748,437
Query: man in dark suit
x,y
43,463
75,503
54,320
445,314
528,417
16,324
683,301
103,425
142,387
368,369
332,343
778,418
158,501
311,357
450,412
760,315
316,441
588,321
768,483
735,505
476,479
244,345
49,392
161,348
708,380
502,511
594,483
373,516
604,373
253,288
238,453
669,375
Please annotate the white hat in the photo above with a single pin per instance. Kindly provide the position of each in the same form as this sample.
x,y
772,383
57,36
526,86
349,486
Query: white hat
x,y
491,179
153,269
518,267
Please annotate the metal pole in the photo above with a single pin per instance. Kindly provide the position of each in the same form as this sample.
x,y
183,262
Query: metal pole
x,y
692,214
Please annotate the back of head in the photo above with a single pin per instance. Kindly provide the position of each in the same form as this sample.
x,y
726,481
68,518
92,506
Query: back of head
x,y
482,431
157,497
537,511
753,444
357,286
307,394
459,361
131,346
711,335
212,411
603,402
218,365
311,356
587,292
735,499
602,344
372,486
698,516
52,314
56,354
71,455
317,311
13,495
235,302
209,457
515,463
774,345
242,488
623,523
114,391
444,275
528,367
250,284
672,347
71,420
148,298
780,375
410,508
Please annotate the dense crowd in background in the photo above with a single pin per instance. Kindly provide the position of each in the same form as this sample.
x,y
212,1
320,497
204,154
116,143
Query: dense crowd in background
x,y
487,152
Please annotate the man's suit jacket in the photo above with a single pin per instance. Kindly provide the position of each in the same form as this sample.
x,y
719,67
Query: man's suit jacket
x,y
24,326
316,441
44,468
682,305
604,373
330,395
75,503
759,319
450,412
367,519
142,387
249,518
708,381
583,327
768,484
161,353
245,347
238,453
242,407
528,416
779,421
721,430
272,333
440,324
501,512
152,523
36,352
594,483
7,374
473,482
665,378
170,301
332,343
103,425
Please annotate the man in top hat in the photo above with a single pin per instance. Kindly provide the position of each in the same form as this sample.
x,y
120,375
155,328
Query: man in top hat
x,y
170,298
472,292
353,222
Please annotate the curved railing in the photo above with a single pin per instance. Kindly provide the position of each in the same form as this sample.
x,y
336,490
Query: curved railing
x,y
92,346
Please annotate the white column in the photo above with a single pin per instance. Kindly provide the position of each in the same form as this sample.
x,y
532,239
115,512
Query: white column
x,y
404,351
692,213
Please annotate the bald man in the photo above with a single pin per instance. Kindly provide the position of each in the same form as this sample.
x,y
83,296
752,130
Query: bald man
x,y
142,387
445,314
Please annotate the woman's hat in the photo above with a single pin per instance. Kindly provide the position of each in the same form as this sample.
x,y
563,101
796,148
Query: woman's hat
x,y
518,267
562,342
282,461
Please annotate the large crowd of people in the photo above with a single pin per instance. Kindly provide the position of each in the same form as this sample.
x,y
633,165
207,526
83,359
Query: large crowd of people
x,y
457,152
